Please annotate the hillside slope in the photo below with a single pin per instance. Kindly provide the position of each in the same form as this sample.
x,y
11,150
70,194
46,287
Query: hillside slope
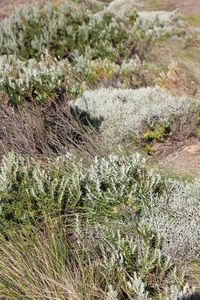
x,y
99,150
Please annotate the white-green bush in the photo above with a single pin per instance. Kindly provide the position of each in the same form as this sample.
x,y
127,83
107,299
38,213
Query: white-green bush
x,y
154,24
160,23
38,80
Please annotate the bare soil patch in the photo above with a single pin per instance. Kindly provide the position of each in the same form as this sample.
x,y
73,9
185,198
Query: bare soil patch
x,y
186,6
182,157
8,6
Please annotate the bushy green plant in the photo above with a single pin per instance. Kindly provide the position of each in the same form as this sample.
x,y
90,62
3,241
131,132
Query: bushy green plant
x,y
66,30
44,80
155,134
30,191
38,80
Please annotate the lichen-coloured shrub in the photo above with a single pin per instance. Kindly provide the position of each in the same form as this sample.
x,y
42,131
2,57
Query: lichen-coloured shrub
x,y
175,215
123,113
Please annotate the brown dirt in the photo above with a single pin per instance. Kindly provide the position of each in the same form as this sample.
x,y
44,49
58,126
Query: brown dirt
x,y
8,6
181,157
186,6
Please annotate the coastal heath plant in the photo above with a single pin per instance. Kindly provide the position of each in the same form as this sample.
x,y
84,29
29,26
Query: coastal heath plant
x,y
121,113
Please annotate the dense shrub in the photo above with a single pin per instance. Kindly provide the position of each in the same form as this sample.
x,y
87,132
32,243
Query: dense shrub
x,y
123,113
100,47
175,215
66,30
47,79
31,190
159,24
41,81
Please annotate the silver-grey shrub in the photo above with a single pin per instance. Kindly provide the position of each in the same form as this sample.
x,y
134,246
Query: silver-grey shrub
x,y
170,207
175,215
123,112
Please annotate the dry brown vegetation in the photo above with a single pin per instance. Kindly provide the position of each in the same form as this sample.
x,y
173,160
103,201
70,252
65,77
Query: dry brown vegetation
x,y
45,130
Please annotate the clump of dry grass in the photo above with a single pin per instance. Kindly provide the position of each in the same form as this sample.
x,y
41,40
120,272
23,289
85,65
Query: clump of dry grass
x,y
60,262
177,81
40,265
45,130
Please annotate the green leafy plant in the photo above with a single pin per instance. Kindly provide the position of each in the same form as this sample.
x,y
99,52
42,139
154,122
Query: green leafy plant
x,y
156,134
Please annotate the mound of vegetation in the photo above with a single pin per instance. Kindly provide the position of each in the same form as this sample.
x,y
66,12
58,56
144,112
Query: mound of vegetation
x,y
120,113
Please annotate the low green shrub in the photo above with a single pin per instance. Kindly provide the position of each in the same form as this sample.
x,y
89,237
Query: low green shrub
x,y
118,188
66,30
43,80
39,81
155,134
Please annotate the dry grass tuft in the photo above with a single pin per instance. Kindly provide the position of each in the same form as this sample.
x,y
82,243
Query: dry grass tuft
x,y
45,130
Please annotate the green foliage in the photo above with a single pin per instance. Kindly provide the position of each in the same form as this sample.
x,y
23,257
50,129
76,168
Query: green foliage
x,y
31,191
82,46
40,81
44,80
104,229
156,134
66,30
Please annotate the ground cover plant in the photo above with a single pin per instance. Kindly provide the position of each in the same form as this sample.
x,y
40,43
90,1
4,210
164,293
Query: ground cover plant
x,y
83,215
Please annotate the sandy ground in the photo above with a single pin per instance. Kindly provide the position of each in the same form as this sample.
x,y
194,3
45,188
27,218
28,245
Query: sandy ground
x,y
181,157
